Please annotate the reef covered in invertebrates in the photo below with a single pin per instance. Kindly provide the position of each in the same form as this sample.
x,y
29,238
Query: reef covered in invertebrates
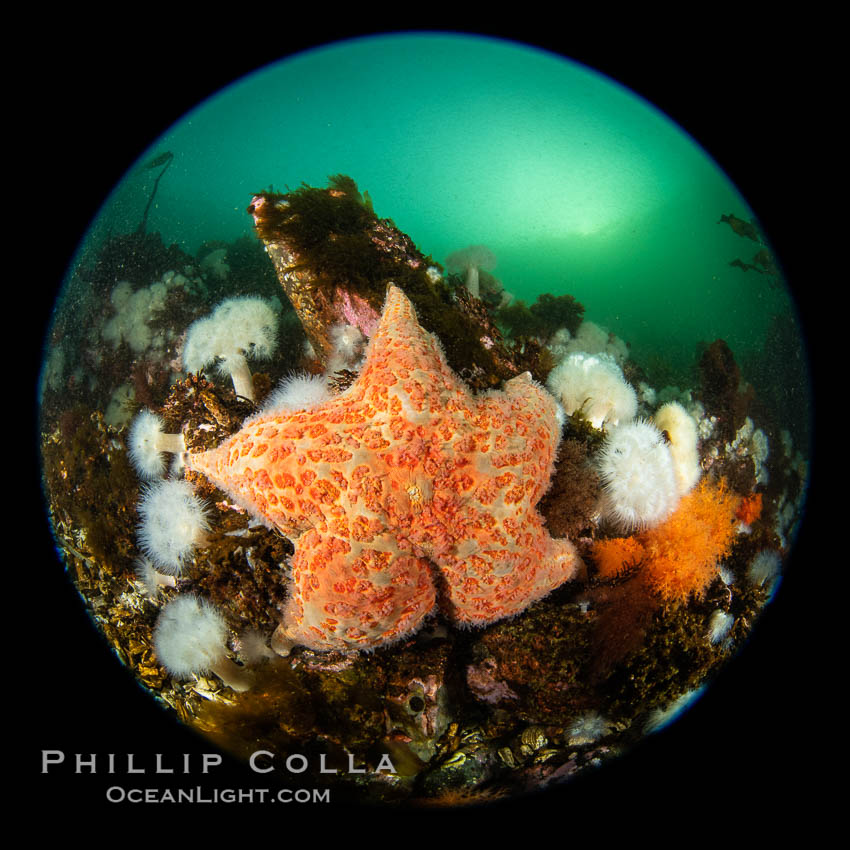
x,y
466,548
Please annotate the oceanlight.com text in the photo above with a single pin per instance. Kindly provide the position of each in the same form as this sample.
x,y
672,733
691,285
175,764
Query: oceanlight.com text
x,y
119,794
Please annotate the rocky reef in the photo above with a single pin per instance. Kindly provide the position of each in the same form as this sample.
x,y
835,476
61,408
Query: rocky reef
x,y
415,491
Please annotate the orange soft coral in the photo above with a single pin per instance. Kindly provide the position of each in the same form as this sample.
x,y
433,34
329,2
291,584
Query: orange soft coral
x,y
684,551
615,556
678,558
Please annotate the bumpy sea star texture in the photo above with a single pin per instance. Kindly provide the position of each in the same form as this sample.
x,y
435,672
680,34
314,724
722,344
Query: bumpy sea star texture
x,y
403,488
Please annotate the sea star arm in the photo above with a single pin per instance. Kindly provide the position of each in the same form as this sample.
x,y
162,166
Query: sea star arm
x,y
347,594
496,581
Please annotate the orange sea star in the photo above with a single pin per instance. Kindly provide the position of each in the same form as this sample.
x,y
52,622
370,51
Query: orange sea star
x,y
403,485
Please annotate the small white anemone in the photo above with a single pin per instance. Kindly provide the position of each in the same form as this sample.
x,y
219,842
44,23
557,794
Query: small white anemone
x,y
764,568
173,523
719,626
152,580
190,637
348,342
297,391
252,647
239,329
147,442
587,728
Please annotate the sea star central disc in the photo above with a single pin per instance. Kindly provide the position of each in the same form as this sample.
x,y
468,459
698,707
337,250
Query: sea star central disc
x,y
404,487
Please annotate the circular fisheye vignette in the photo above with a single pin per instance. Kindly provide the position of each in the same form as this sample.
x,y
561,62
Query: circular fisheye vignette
x,y
435,497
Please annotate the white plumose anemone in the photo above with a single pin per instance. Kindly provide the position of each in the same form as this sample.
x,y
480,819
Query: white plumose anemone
x,y
147,442
150,578
173,523
764,568
239,329
638,477
594,384
719,626
587,728
190,637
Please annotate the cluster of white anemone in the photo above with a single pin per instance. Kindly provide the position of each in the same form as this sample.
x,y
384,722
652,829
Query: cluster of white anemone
x,y
643,473
190,636
135,310
173,519
589,339
593,384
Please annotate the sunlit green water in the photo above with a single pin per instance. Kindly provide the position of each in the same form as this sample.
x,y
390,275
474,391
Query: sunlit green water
x,y
576,184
